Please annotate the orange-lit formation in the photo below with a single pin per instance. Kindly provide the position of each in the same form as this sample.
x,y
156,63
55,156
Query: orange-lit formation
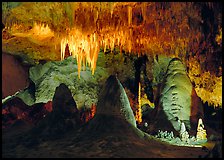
x,y
138,115
86,115
132,27
168,28
84,48
93,110
39,32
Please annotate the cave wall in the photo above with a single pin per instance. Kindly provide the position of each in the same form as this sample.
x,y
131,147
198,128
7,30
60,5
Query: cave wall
x,y
14,75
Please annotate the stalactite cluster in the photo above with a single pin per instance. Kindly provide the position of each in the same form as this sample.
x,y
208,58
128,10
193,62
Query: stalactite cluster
x,y
182,29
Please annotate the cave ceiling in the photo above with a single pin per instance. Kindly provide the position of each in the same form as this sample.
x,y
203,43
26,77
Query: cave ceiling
x,y
42,30
191,31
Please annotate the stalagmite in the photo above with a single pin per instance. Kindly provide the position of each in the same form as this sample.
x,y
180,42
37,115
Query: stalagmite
x,y
139,110
183,133
201,132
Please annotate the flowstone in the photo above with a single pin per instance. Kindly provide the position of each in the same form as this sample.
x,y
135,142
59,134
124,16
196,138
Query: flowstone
x,y
50,75
175,102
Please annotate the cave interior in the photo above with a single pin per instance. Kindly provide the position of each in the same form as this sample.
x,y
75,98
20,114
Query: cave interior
x,y
112,79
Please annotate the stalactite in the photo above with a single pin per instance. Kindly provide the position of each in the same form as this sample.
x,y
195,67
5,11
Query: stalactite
x,y
76,24
144,11
129,15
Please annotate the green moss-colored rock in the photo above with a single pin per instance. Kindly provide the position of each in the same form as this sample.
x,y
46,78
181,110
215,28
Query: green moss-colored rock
x,y
50,75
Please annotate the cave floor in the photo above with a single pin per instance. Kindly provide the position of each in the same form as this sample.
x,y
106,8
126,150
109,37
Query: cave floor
x,y
110,145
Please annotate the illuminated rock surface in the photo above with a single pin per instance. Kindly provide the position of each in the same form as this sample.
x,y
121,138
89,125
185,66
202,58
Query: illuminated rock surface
x,y
175,99
44,32
190,31
114,101
48,76
201,132
183,133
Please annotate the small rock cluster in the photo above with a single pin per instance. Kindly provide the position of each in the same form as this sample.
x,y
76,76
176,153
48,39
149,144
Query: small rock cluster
x,y
165,135
184,138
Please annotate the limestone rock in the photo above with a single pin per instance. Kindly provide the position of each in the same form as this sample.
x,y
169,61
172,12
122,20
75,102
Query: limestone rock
x,y
15,109
63,118
183,128
50,75
183,133
114,101
63,101
165,135
175,100
201,132
13,71
159,67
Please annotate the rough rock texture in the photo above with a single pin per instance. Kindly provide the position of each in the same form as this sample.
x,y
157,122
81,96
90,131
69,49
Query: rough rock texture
x,y
106,135
176,104
114,101
48,76
16,109
64,116
14,75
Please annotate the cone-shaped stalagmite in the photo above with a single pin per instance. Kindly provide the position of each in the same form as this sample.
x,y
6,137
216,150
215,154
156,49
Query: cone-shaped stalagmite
x,y
201,132
63,101
64,116
114,116
114,101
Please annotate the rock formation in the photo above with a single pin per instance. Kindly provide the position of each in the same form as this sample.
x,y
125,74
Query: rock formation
x,y
114,115
201,132
46,77
177,101
13,70
15,109
183,133
114,101
63,118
